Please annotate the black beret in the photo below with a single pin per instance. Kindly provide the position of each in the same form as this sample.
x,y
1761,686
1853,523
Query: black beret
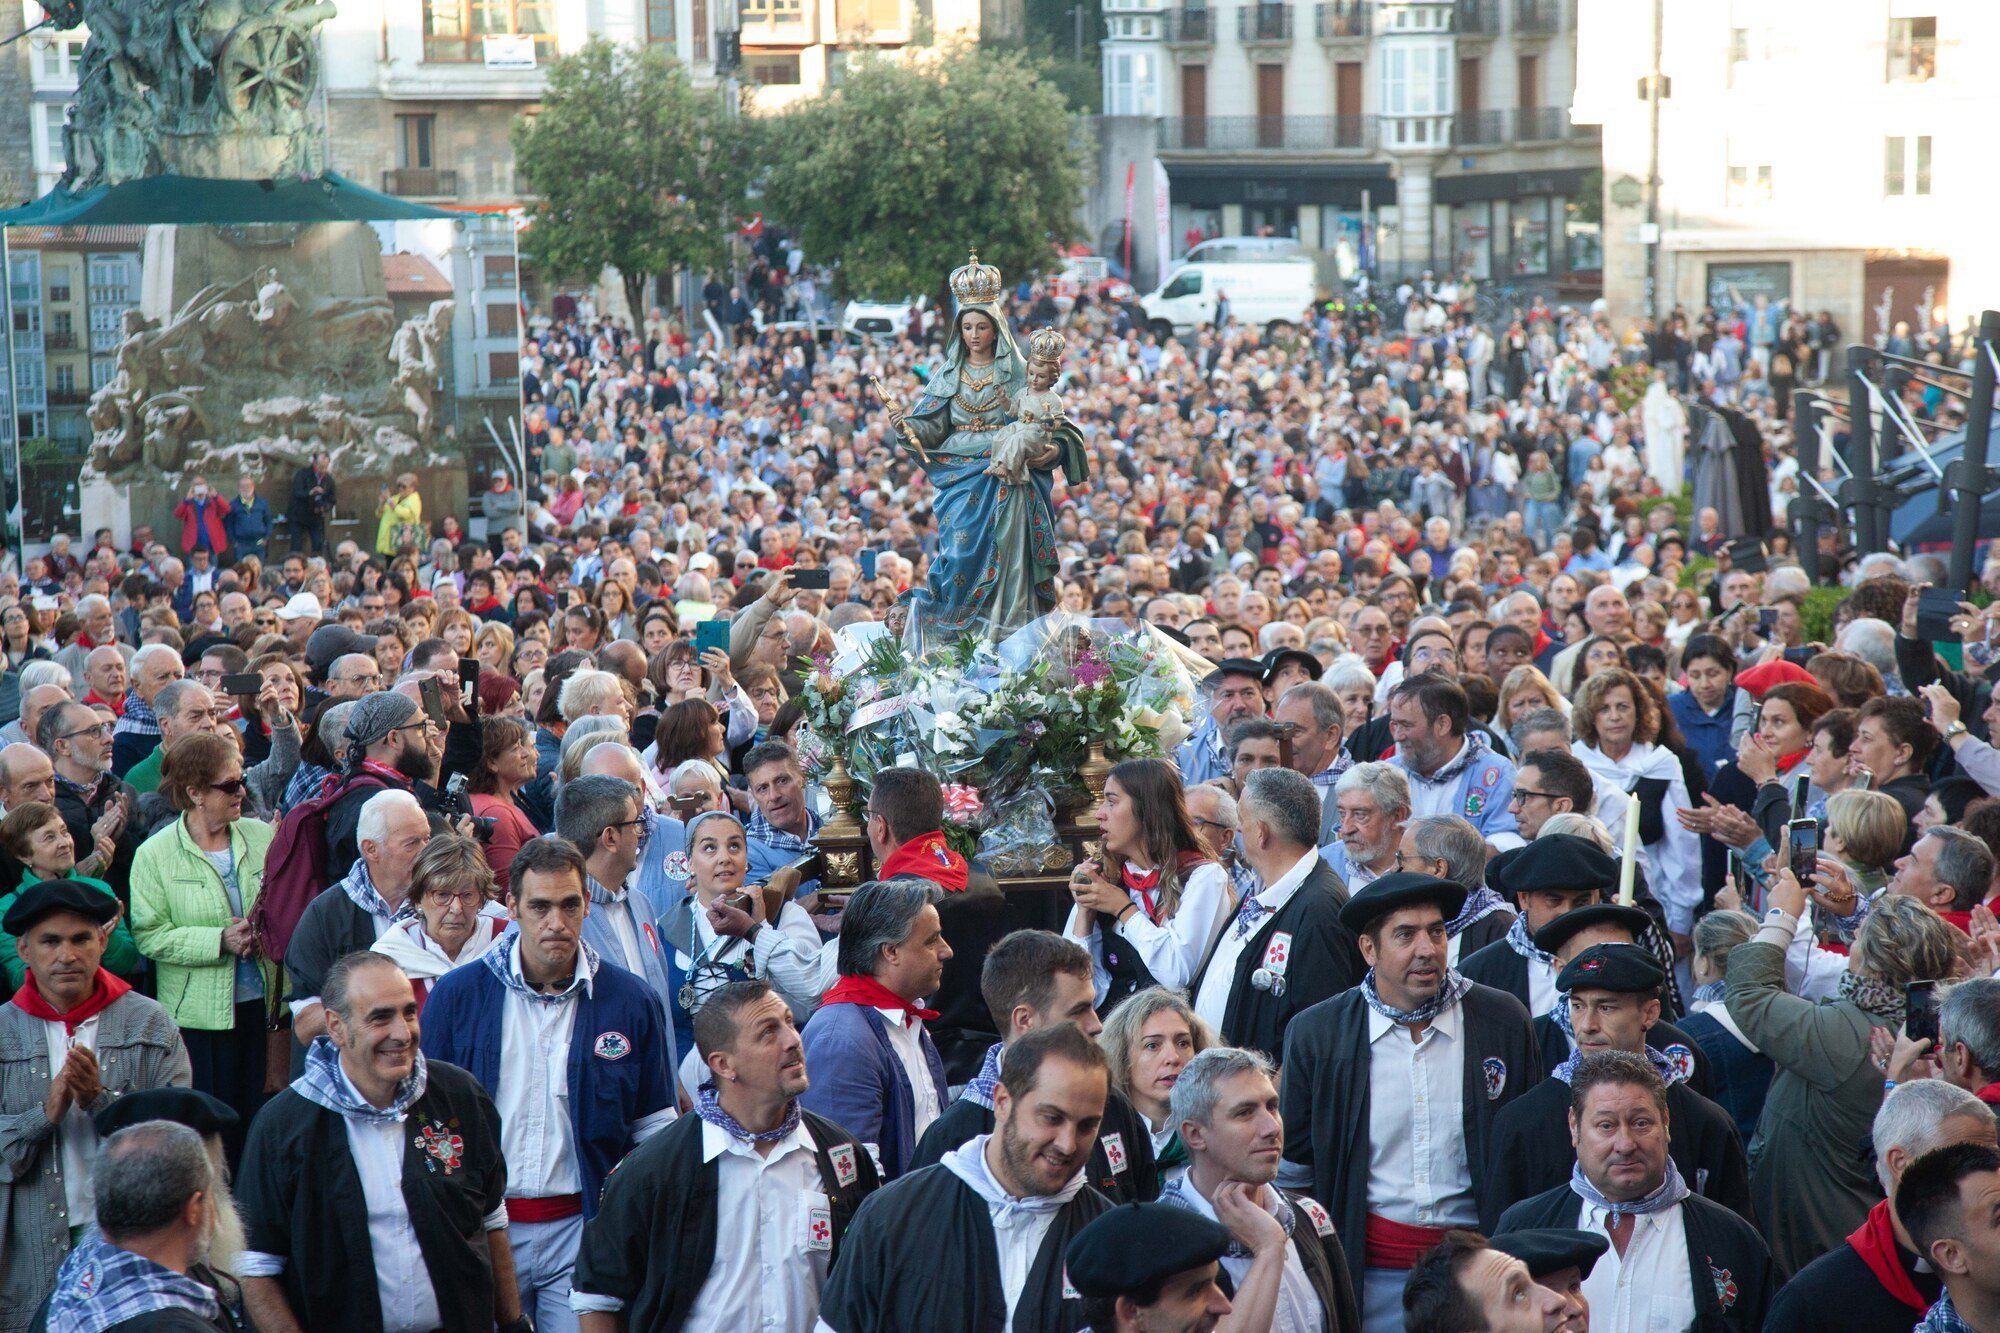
x,y
1403,888
200,1112
1277,657
1558,861
1628,969
1236,666
1557,933
1137,1244
57,895
1549,1250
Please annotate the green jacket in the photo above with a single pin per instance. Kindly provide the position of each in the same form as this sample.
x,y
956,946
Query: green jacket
x,y
121,955
144,776
179,911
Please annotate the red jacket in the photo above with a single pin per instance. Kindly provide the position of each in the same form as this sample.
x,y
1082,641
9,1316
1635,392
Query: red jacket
x,y
209,515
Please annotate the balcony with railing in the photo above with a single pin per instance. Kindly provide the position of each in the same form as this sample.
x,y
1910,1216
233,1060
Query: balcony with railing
x,y
71,397
59,340
1189,25
421,182
1342,20
1476,18
1263,24
1537,18
1242,134
1537,123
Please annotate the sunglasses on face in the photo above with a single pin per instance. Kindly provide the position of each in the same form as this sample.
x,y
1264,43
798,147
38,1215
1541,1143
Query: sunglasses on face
x,y
228,787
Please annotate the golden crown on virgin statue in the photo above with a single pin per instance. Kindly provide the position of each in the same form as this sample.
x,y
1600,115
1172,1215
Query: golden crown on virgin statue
x,y
1046,345
976,283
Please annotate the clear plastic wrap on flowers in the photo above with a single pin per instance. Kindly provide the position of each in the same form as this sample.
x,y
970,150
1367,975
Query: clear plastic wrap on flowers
x,y
1003,717
1020,836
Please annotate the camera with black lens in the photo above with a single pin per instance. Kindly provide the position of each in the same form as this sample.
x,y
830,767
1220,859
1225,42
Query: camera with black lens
x,y
458,805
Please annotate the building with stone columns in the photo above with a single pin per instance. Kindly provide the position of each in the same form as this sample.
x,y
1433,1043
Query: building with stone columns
x,y
1419,133
1832,156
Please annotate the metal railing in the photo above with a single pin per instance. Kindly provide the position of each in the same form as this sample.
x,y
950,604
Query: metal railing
x,y
1542,122
59,341
1537,18
1263,23
1189,26
1476,18
1237,134
1336,20
1479,127
420,181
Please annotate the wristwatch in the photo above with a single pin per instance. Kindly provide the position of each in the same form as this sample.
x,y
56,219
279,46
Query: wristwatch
x,y
1954,731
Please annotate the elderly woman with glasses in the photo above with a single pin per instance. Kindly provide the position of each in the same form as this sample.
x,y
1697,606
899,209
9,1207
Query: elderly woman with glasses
x,y
457,919
722,932
34,834
195,884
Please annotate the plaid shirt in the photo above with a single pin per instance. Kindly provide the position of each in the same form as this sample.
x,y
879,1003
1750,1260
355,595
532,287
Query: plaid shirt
x,y
760,829
1940,1318
100,1285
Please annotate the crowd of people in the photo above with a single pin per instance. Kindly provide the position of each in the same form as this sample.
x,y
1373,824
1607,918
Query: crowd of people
x,y
427,932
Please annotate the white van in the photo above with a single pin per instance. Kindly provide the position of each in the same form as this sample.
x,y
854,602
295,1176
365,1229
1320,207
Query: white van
x,y
1274,293
1244,250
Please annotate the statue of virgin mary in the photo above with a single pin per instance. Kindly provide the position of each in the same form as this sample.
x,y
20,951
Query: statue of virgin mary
x,y
995,565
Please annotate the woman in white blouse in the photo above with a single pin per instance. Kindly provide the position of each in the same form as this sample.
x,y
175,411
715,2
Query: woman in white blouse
x,y
722,932
1154,900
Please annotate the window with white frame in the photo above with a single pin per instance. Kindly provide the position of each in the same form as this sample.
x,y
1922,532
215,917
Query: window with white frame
x,y
1906,165
1129,83
57,57
1416,78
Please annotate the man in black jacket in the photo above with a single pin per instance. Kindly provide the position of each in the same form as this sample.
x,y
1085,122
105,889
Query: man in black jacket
x,y
311,502
717,1218
1032,979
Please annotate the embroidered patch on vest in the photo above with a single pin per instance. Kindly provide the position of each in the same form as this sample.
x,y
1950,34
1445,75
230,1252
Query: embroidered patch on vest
x,y
1278,953
1682,1059
844,1169
1495,1070
612,1046
444,1147
1322,1223
1725,1285
1114,1151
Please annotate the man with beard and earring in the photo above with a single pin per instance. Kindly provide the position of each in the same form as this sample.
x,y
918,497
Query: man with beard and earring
x,y
1613,992
1033,978
373,1187
1676,1260
1284,1269
351,915
977,1241
73,1040
577,1054
729,1218
159,1196
1391,1089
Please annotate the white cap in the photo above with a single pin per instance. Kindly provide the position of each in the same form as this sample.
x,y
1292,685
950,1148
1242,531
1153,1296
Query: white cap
x,y
303,606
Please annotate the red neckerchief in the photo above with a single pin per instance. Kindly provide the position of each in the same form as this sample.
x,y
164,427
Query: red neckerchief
x,y
375,768
96,700
1875,1241
1990,1094
109,989
874,995
927,856
1144,882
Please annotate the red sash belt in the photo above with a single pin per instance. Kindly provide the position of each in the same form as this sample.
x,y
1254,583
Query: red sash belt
x,y
553,1208
1397,1244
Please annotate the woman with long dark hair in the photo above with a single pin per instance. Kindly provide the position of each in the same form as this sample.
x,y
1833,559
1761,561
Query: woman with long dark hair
x,y
1151,905
507,761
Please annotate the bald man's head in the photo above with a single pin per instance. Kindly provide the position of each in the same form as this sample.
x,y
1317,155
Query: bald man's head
x,y
25,775
613,760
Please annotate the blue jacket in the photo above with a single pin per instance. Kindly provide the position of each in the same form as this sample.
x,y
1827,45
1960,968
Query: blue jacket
x,y
600,935
620,1057
858,1082
1202,756
1707,734
1482,791
249,526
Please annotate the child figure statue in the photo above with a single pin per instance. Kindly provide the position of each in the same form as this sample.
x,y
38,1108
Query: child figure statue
x,y
1036,411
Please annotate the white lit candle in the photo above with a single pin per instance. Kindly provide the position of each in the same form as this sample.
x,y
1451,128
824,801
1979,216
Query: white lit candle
x,y
1631,861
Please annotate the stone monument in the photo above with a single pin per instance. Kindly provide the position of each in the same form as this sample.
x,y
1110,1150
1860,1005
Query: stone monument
x,y
217,88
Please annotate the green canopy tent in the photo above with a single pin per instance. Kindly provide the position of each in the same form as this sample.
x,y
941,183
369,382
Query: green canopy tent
x,y
190,199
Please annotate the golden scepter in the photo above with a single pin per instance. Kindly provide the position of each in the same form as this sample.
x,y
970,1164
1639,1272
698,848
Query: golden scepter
x,y
909,431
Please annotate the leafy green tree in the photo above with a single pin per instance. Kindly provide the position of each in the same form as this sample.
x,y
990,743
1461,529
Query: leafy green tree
x,y
630,166
907,165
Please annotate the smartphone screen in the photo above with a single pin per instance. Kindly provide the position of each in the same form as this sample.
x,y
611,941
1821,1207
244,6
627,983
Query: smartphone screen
x,y
468,681
1803,836
1920,1011
711,634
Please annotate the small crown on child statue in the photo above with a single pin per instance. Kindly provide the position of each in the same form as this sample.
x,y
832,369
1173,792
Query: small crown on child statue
x,y
1046,345
976,283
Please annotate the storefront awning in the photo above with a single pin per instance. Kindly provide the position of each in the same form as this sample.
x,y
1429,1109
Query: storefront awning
x,y
1338,185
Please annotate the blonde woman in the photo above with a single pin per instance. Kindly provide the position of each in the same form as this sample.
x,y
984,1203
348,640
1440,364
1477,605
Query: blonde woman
x,y
1524,690
494,647
1147,1041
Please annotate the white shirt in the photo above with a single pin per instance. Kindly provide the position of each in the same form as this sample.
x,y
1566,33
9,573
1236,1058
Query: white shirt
x,y
1419,1172
1298,1309
1212,1001
402,1283
1172,949
768,1269
1541,988
533,1096
1648,1289
76,1135
910,1050
618,913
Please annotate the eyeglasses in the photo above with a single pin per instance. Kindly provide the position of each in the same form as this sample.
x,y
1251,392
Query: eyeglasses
x,y
101,730
1523,793
228,787
1210,823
